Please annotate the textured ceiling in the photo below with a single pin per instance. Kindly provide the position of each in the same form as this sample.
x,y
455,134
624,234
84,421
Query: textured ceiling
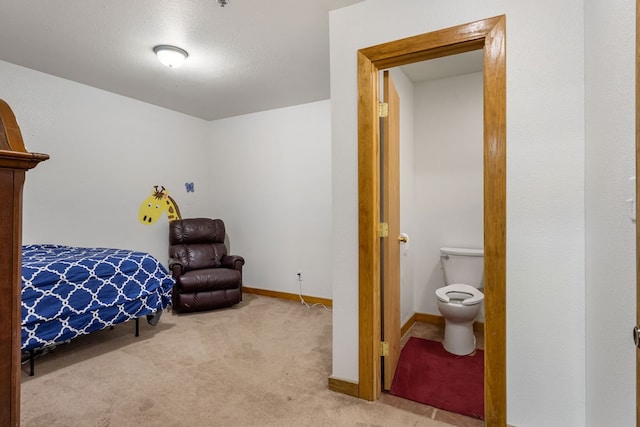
x,y
448,66
249,56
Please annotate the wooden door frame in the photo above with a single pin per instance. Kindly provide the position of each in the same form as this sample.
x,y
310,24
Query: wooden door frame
x,y
489,35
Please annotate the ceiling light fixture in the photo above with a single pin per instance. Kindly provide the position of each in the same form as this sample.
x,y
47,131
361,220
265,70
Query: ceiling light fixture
x,y
222,2
171,56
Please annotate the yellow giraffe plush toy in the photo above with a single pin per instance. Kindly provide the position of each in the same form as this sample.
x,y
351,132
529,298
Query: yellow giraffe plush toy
x,y
153,206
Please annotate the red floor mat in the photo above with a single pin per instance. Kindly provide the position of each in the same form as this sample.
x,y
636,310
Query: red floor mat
x,y
428,374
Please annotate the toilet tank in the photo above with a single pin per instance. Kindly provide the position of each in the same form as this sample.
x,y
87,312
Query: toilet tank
x,y
463,265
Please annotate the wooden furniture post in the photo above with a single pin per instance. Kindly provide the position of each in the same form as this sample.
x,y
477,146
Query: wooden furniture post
x,y
14,162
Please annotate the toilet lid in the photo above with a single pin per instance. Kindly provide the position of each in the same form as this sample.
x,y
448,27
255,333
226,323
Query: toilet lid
x,y
475,298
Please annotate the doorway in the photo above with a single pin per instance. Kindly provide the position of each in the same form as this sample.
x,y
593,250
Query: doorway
x,y
441,193
489,35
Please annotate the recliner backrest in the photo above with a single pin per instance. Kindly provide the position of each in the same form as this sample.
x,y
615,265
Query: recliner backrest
x,y
197,242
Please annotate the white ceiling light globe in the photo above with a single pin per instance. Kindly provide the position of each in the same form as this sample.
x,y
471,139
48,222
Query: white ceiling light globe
x,y
171,56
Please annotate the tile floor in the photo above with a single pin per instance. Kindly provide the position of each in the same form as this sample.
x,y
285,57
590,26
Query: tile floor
x,y
435,333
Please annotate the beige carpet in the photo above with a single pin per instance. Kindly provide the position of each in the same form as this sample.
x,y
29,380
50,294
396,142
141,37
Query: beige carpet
x,y
264,362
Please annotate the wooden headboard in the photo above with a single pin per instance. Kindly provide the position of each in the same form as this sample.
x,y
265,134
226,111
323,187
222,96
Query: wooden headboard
x,y
15,160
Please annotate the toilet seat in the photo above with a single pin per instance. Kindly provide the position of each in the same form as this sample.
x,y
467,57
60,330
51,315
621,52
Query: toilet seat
x,y
475,298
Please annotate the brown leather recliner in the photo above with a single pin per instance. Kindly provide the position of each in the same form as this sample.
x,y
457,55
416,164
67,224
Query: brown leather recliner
x,y
206,276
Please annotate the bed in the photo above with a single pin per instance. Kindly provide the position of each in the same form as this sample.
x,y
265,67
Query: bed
x,y
71,291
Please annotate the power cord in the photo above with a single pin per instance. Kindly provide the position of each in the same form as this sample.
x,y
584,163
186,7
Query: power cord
x,y
302,301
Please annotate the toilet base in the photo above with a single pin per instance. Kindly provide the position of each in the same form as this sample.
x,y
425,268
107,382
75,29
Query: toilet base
x,y
459,338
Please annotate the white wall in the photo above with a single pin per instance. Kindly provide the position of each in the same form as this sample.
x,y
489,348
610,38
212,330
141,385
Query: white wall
x,y
610,250
545,190
107,152
266,174
408,257
271,182
448,165
440,180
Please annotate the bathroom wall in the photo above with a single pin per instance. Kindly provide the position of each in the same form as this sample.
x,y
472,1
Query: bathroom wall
x,y
432,204
448,168
545,189
408,259
610,29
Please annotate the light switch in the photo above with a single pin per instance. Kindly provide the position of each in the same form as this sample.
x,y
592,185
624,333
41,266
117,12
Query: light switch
x,y
632,200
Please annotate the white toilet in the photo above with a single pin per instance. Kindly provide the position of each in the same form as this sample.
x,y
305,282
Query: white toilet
x,y
459,301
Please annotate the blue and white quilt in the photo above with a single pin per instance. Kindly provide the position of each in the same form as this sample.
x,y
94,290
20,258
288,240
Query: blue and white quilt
x,y
71,291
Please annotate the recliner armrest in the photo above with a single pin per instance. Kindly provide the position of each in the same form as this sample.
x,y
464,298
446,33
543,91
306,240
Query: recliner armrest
x,y
232,261
176,267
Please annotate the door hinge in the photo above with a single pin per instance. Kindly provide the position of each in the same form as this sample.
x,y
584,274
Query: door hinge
x,y
383,229
383,109
384,348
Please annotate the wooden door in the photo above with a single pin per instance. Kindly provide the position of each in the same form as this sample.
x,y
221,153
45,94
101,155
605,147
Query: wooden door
x,y
390,198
